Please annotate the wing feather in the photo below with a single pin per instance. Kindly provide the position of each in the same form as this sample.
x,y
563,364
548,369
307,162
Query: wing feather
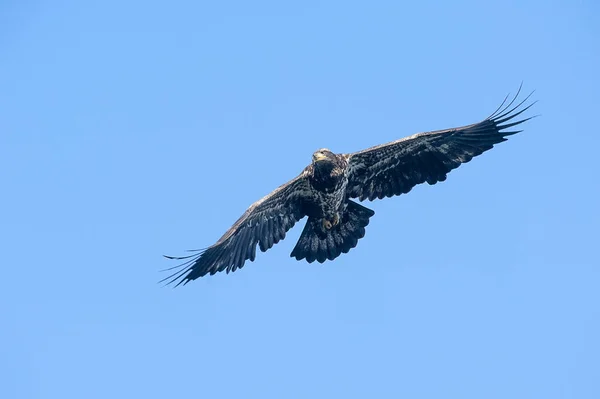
x,y
395,168
264,223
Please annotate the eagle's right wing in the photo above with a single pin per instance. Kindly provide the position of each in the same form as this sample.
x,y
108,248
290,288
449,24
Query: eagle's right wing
x,y
264,223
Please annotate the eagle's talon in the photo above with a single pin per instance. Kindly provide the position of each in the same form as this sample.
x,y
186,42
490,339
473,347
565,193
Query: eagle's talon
x,y
336,219
329,224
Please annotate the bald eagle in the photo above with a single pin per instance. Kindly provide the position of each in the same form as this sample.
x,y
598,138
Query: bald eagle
x,y
324,191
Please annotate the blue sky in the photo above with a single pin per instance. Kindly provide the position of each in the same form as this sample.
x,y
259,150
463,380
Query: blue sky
x,y
134,129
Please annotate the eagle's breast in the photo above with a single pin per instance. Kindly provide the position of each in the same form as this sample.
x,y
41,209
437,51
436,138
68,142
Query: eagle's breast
x,y
329,181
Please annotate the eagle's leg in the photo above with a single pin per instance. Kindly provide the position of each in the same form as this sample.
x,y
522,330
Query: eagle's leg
x,y
328,224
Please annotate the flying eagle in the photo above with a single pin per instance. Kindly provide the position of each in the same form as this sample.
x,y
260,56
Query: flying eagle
x,y
325,189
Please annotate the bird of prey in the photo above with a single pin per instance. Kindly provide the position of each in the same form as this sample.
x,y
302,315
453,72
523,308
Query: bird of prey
x,y
324,191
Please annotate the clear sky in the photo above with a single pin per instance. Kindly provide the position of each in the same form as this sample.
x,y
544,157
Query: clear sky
x,y
134,129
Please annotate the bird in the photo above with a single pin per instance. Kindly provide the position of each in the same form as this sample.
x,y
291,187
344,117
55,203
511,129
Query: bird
x,y
329,189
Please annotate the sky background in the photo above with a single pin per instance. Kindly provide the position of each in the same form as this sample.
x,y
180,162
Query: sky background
x,y
134,129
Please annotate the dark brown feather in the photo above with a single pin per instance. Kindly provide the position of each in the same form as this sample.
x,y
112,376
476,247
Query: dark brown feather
x,y
264,223
396,167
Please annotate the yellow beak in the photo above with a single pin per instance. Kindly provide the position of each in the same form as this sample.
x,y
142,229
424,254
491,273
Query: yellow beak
x,y
319,157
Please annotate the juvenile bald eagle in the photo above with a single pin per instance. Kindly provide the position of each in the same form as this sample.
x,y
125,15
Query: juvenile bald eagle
x,y
324,189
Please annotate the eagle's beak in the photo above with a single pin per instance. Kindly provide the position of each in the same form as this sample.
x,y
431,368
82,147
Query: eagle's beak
x,y
319,156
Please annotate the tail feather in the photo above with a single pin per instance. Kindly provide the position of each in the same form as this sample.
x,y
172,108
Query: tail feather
x,y
316,244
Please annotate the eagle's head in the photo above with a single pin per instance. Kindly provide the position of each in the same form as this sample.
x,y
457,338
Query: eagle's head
x,y
325,170
323,156
325,164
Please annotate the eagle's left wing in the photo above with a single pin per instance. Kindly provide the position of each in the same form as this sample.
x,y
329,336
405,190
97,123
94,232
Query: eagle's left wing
x,y
395,168
264,223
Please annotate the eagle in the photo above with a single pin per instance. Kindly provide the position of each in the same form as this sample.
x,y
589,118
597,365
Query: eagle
x,y
327,188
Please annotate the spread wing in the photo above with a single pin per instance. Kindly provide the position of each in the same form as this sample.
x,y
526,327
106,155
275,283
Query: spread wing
x,y
395,168
264,223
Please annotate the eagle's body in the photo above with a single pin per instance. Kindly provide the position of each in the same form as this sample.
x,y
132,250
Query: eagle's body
x,y
324,190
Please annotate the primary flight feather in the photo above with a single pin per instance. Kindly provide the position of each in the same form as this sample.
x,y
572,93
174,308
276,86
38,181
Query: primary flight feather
x,y
324,189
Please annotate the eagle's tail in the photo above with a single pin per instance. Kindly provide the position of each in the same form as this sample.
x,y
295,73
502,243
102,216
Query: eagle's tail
x,y
316,244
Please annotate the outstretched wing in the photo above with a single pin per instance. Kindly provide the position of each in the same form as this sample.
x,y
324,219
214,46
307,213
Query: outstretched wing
x,y
395,168
264,223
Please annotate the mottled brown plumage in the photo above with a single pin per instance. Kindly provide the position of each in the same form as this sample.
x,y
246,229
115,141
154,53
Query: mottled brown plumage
x,y
324,189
